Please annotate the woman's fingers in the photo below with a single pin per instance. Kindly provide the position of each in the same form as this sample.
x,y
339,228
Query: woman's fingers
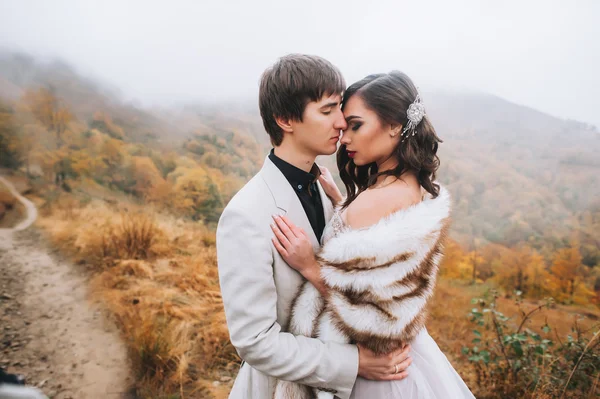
x,y
283,226
391,377
324,179
401,360
282,251
400,355
403,370
298,232
280,236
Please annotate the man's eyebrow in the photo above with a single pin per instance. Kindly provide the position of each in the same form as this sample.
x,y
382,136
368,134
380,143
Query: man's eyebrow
x,y
330,105
349,118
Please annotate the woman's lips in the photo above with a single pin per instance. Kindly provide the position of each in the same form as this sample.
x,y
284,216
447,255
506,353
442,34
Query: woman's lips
x,y
351,154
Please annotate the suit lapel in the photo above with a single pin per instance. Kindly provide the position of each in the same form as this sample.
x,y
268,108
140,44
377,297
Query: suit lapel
x,y
287,200
327,205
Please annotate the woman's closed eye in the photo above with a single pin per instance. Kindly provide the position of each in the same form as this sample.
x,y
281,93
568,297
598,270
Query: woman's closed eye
x,y
356,126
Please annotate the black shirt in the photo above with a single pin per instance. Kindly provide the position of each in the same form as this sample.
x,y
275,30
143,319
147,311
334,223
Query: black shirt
x,y
305,186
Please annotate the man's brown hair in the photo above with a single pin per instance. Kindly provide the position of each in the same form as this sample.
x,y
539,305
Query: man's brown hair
x,y
290,84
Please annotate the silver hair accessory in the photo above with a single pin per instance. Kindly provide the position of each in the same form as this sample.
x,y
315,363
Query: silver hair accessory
x,y
415,113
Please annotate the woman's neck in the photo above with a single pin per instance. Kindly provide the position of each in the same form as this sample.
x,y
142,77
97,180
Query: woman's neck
x,y
385,179
389,164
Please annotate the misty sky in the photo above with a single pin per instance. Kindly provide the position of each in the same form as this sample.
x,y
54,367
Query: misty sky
x,y
543,54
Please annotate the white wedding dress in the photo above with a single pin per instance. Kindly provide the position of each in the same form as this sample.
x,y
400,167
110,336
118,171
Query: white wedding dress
x,y
430,376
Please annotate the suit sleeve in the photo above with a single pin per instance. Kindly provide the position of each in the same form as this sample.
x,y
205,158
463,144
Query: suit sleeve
x,y
245,261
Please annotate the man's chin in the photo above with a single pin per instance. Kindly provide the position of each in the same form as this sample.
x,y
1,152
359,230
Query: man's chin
x,y
330,151
326,150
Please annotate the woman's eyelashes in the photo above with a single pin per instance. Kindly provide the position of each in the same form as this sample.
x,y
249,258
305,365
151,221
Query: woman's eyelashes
x,y
356,126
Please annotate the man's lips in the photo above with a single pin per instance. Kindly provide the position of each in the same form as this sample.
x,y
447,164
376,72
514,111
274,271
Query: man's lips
x,y
336,138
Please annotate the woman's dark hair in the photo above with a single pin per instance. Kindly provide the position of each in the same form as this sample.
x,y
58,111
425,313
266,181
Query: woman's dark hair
x,y
389,96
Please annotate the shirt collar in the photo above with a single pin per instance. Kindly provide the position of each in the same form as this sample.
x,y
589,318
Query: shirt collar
x,y
298,178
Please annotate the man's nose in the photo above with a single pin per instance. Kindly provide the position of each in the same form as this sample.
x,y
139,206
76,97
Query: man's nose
x,y
340,121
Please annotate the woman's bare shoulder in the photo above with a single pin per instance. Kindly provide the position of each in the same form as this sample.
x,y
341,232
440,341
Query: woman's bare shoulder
x,y
373,205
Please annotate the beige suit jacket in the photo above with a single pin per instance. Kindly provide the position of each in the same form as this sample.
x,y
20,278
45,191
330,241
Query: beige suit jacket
x,y
258,288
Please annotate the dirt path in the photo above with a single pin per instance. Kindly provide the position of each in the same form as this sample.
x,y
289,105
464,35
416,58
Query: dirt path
x,y
48,330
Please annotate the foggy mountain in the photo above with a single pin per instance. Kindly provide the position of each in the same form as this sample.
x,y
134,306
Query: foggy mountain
x,y
516,174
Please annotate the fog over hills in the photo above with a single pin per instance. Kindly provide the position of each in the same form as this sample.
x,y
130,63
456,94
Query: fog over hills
x,y
515,173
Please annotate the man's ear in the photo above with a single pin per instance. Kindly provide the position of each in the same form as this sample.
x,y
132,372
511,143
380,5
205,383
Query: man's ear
x,y
285,124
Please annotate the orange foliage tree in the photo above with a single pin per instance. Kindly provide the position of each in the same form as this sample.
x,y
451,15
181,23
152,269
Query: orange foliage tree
x,y
455,264
196,194
522,269
49,110
145,177
568,273
9,144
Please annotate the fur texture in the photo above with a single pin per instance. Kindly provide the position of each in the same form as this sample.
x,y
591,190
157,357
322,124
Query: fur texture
x,y
380,279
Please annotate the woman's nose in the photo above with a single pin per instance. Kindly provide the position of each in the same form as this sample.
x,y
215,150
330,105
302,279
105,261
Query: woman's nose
x,y
345,138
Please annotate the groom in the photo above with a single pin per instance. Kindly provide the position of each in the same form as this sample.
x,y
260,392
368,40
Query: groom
x,y
299,100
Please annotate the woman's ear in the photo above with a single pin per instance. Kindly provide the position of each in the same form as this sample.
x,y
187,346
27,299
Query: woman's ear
x,y
285,124
395,130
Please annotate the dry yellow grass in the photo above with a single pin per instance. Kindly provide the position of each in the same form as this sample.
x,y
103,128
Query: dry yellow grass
x,y
6,197
157,275
11,210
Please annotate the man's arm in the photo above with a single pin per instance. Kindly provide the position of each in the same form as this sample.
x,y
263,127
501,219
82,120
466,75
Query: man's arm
x,y
245,260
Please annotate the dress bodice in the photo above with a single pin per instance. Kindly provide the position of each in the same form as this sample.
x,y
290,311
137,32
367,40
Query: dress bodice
x,y
335,226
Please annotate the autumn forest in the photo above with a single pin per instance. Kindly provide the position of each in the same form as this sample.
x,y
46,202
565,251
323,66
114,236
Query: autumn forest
x,y
525,234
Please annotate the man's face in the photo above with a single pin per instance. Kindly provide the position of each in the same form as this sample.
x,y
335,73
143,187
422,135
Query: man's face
x,y
319,131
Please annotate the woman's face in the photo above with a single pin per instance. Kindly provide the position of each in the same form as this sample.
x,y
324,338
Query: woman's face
x,y
367,140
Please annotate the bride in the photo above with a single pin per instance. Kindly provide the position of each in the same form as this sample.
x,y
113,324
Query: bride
x,y
375,272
